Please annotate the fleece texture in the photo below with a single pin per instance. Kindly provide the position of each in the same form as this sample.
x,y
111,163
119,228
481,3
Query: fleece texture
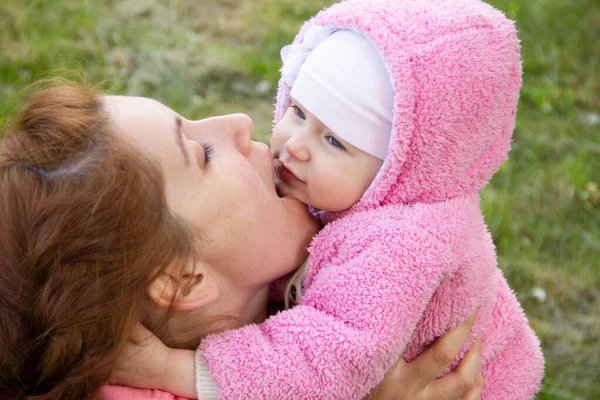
x,y
413,258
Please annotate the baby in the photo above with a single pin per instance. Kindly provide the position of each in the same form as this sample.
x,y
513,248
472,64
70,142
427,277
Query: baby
x,y
391,117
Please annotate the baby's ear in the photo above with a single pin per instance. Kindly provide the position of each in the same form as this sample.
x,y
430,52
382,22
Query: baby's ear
x,y
188,289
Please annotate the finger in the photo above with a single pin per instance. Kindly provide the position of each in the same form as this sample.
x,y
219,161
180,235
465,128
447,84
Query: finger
x,y
397,370
476,390
459,382
433,361
388,387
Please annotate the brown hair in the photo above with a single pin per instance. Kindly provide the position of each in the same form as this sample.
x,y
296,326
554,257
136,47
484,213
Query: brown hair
x,y
84,228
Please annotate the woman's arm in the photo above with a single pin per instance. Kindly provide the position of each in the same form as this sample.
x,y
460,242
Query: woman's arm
x,y
417,380
147,363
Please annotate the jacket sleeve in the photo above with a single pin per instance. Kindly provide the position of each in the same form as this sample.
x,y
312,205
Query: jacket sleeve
x,y
113,392
354,321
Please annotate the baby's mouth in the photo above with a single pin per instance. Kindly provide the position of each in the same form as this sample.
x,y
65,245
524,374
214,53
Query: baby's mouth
x,y
285,174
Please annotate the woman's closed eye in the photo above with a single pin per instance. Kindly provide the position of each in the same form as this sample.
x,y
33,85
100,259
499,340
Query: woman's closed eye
x,y
209,151
334,142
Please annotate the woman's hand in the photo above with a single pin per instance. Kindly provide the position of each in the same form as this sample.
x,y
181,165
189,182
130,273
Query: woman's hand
x,y
142,362
417,380
147,363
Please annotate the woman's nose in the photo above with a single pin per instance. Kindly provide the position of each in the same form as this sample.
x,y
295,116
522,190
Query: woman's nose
x,y
234,129
296,147
240,129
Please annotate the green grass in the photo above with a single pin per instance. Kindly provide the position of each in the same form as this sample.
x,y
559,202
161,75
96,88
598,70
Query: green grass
x,y
209,57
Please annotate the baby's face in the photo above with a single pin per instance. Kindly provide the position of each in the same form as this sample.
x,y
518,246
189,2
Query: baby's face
x,y
315,166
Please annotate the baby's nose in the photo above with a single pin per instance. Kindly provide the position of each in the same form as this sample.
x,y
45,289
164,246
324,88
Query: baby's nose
x,y
296,147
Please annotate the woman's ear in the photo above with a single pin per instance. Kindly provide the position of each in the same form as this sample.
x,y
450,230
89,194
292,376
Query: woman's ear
x,y
188,289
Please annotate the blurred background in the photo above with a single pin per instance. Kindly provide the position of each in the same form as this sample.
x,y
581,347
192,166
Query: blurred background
x,y
210,57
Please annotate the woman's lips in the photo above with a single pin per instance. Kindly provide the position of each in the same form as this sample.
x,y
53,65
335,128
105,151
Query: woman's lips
x,y
285,174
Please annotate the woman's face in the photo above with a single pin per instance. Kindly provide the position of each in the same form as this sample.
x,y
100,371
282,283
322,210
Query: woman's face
x,y
221,182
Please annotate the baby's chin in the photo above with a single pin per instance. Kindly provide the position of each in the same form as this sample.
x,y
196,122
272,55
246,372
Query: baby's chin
x,y
283,192
279,185
279,192
332,205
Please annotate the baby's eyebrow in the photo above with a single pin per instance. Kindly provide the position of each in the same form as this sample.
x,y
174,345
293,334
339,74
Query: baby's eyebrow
x,y
179,140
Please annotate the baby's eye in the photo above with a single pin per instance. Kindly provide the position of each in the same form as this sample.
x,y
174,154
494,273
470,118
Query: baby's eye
x,y
334,142
298,112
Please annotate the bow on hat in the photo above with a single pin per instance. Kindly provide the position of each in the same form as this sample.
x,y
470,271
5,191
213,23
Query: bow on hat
x,y
294,55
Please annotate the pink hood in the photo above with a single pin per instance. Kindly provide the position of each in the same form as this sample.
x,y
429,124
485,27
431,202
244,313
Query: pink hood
x,y
456,74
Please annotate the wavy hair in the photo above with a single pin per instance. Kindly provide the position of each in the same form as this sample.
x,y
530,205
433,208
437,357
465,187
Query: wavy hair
x,y
84,228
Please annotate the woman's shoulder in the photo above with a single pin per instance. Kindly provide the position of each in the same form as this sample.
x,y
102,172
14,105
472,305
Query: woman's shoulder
x,y
112,392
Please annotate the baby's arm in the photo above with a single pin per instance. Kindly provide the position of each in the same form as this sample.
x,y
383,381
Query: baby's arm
x,y
354,320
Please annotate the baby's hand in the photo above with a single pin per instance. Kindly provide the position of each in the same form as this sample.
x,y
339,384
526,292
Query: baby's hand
x,y
143,362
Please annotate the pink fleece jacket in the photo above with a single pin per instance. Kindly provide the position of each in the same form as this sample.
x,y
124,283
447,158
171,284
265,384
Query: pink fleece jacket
x,y
127,393
413,257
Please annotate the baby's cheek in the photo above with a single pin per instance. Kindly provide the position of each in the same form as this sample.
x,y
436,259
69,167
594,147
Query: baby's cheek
x,y
280,135
334,194
275,140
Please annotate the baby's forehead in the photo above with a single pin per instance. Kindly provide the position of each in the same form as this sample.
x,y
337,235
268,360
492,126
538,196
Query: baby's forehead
x,y
314,113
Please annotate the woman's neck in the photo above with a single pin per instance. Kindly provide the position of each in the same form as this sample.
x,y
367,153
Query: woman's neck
x,y
247,305
185,329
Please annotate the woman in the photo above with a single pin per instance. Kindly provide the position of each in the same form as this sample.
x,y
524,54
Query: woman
x,y
116,210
